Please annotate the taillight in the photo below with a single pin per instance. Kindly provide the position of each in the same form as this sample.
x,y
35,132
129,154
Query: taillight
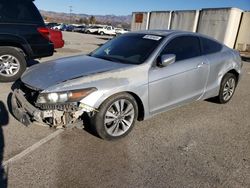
x,y
44,32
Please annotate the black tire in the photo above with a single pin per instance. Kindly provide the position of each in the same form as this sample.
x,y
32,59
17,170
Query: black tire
x,y
19,56
221,98
88,32
98,120
102,33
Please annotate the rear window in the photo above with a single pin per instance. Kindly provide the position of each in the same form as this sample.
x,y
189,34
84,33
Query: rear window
x,y
210,46
14,11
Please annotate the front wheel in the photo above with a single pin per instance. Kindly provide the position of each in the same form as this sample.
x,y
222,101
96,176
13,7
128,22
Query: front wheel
x,y
227,89
116,117
12,64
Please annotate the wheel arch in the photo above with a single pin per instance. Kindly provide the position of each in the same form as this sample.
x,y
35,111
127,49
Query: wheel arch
x,y
235,73
18,46
7,40
141,111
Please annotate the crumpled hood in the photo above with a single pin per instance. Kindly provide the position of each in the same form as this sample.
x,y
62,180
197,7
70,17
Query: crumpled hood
x,y
47,74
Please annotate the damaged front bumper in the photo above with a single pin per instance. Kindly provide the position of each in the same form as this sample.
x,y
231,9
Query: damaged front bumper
x,y
64,117
23,110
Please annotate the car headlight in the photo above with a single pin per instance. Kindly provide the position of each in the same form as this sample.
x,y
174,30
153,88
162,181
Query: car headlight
x,y
67,96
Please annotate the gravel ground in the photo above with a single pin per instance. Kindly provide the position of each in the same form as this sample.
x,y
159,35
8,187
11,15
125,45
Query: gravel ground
x,y
202,144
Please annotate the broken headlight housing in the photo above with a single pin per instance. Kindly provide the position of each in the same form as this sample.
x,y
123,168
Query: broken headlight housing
x,y
62,97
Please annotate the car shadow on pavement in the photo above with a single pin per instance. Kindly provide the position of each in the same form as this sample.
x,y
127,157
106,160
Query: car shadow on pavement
x,y
32,62
87,126
4,121
246,59
99,45
103,38
213,100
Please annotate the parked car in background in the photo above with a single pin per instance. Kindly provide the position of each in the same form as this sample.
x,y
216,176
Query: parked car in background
x,y
120,31
51,25
23,36
69,28
93,29
120,83
108,30
61,27
79,29
56,38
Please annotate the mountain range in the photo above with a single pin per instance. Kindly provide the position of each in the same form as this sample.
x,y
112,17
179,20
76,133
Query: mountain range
x,y
76,18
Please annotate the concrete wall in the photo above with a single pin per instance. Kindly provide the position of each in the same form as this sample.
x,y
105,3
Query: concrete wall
x,y
221,24
243,40
228,25
160,20
140,21
185,20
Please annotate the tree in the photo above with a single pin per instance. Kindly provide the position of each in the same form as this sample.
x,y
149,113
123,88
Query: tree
x,y
92,20
86,21
81,21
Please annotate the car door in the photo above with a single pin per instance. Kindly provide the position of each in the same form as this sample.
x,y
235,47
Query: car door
x,y
182,81
108,29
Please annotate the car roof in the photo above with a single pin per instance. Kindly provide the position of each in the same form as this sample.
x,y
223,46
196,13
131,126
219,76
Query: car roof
x,y
166,33
163,32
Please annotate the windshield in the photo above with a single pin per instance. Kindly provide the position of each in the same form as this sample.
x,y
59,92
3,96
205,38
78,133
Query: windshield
x,y
129,49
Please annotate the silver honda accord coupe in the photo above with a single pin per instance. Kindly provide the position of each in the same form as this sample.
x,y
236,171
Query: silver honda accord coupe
x,y
131,77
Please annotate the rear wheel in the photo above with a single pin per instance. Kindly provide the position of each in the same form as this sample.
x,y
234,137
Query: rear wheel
x,y
12,64
116,117
227,89
102,33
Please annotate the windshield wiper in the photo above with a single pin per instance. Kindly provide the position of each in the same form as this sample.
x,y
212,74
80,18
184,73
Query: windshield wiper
x,y
107,58
113,59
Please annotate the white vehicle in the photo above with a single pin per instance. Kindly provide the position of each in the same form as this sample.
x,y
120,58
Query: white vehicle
x,y
59,27
93,29
120,31
108,30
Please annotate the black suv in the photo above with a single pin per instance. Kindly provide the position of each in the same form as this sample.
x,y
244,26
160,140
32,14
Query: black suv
x,y
23,36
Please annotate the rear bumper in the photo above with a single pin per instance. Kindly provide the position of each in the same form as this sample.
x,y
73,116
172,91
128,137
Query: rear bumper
x,y
58,44
23,110
42,50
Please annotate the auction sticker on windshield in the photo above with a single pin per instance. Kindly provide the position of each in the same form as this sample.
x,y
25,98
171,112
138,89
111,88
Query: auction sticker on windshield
x,y
152,37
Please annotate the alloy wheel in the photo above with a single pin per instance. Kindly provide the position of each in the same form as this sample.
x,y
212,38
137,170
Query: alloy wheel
x,y
119,117
228,89
9,65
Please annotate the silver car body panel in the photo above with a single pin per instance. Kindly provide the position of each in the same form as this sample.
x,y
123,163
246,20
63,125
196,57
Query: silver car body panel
x,y
129,79
48,74
179,83
159,89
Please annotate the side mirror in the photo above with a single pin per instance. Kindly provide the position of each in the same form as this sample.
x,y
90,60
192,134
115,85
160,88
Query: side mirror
x,y
167,60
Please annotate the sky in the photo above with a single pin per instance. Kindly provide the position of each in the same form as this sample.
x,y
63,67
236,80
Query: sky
x,y
126,7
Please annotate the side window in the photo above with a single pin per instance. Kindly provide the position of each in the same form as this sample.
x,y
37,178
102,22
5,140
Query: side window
x,y
19,12
183,47
210,46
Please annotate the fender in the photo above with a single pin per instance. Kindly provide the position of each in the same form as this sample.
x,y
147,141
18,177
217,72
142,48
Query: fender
x,y
16,41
